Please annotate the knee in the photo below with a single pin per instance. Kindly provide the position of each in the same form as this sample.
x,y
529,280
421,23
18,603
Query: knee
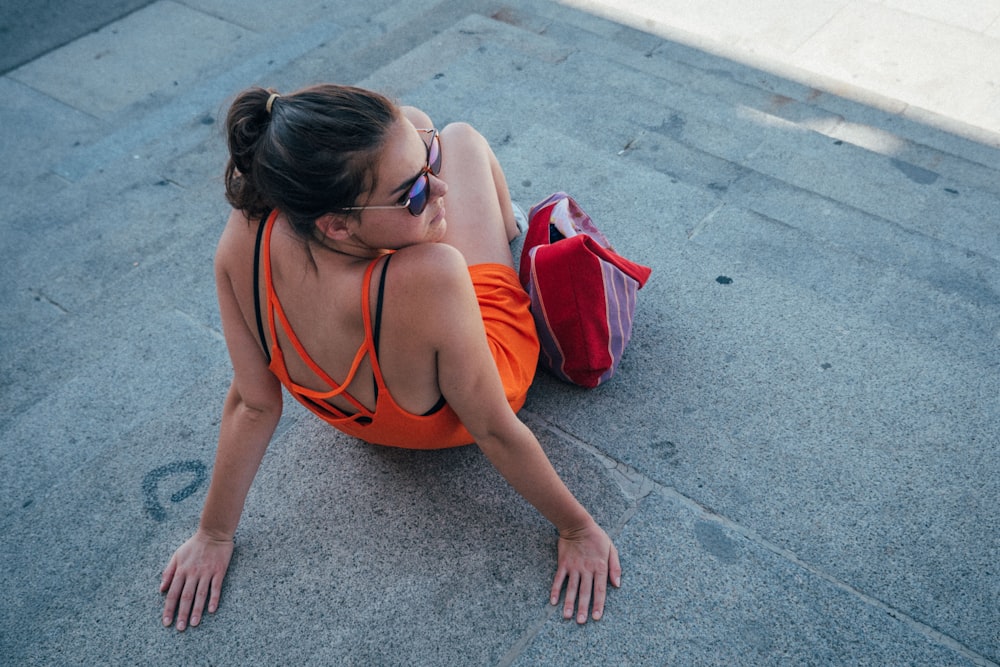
x,y
464,138
419,119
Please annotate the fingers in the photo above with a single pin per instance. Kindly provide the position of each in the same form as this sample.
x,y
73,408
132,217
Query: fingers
x,y
170,604
571,586
213,600
600,594
187,600
168,575
557,586
583,605
615,571
586,584
193,580
199,602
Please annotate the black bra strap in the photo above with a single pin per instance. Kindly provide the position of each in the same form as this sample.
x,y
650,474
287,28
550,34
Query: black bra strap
x,y
377,326
376,330
256,286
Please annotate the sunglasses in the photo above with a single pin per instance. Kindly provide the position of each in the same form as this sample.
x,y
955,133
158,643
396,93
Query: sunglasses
x,y
418,193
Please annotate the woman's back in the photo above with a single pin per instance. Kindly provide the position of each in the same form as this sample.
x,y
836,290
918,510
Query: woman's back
x,y
320,294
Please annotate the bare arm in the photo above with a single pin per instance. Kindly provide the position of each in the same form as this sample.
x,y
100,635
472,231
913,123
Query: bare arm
x,y
469,381
587,559
250,414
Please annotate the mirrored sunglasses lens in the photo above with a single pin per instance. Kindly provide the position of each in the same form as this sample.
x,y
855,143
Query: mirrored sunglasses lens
x,y
434,155
418,195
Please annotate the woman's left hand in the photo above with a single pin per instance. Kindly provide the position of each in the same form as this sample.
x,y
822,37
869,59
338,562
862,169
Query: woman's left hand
x,y
587,560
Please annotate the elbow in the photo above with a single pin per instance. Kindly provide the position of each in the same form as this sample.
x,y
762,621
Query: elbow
x,y
255,409
498,436
258,413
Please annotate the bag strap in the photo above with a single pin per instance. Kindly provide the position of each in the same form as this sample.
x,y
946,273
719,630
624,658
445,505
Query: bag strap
x,y
637,272
537,236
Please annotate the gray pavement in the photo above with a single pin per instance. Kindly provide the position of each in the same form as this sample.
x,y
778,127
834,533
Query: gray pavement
x,y
32,29
797,457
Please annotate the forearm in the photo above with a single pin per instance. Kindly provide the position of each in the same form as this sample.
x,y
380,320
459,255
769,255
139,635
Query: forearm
x,y
243,438
517,455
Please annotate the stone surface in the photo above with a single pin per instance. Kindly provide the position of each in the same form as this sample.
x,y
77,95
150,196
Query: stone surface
x,y
796,458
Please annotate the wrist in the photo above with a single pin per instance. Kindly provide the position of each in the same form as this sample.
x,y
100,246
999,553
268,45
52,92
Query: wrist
x,y
215,535
576,529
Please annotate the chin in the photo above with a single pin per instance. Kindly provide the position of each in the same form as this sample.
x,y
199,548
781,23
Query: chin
x,y
439,226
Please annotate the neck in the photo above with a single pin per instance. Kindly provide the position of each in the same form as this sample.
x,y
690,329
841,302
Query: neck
x,y
350,248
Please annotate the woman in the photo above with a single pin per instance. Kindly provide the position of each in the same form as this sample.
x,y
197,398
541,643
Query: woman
x,y
328,185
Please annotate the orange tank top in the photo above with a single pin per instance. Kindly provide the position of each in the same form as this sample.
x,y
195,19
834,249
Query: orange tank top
x,y
388,424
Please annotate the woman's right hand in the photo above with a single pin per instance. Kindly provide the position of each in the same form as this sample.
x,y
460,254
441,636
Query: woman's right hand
x,y
194,574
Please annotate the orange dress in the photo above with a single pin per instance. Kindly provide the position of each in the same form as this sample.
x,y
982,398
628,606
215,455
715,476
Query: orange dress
x,y
510,331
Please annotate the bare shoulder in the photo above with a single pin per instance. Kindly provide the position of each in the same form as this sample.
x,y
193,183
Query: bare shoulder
x,y
430,288
431,266
236,236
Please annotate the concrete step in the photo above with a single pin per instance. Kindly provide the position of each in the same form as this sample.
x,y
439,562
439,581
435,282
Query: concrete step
x,y
797,177
147,87
705,109
923,144
139,261
828,408
700,143
823,353
730,181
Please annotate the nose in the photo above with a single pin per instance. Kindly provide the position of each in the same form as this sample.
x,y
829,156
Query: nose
x,y
438,187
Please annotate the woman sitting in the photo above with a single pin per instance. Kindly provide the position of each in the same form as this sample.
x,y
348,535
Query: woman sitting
x,y
366,267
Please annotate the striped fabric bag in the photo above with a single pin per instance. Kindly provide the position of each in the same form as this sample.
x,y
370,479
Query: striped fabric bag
x,y
583,293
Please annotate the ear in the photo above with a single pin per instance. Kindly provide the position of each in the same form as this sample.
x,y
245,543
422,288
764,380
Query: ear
x,y
333,226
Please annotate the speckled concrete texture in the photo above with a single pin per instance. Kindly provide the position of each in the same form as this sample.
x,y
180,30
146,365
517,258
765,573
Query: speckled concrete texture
x,y
797,457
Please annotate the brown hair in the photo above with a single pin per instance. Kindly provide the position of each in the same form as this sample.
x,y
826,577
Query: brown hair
x,y
314,152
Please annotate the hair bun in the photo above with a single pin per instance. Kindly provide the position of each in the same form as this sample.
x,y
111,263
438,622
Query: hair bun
x,y
270,102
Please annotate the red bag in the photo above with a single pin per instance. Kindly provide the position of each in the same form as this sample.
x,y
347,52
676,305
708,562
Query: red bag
x,y
583,293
